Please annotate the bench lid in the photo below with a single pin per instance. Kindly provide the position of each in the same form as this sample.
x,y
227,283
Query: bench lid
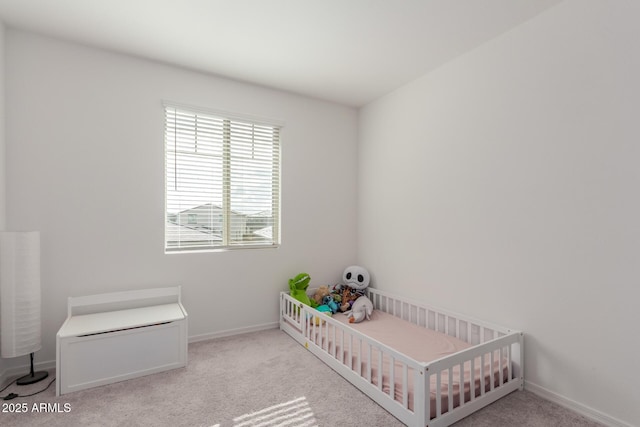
x,y
109,321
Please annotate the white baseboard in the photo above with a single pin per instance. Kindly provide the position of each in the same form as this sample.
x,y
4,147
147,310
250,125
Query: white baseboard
x,y
18,371
587,411
231,332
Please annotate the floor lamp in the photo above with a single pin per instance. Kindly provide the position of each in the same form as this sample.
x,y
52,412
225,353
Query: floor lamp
x,y
20,309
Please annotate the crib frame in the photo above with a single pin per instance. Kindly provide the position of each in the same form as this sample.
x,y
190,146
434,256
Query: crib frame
x,y
490,343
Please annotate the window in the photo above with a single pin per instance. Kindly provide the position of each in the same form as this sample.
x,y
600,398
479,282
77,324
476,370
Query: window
x,y
222,182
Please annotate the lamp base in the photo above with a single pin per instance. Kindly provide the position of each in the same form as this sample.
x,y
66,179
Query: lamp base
x,y
31,378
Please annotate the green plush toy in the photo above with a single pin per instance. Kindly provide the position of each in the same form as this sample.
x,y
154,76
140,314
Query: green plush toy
x,y
298,288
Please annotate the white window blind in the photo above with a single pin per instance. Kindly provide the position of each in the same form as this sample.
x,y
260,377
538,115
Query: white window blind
x,y
222,182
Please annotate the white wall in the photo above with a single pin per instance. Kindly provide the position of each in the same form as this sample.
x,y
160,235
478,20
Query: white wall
x,y
505,185
85,167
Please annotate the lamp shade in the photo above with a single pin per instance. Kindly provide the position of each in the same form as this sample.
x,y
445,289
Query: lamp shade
x,y
20,325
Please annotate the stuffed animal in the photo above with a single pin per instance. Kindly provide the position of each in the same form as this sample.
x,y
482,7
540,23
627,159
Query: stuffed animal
x,y
324,309
355,280
319,295
330,302
348,297
360,310
298,288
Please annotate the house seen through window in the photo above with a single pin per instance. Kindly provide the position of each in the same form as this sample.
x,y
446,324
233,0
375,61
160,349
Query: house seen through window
x,y
222,178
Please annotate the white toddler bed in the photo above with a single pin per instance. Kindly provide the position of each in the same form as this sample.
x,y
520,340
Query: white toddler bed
x,y
426,366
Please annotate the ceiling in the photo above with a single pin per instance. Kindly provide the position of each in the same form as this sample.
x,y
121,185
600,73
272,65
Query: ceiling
x,y
345,51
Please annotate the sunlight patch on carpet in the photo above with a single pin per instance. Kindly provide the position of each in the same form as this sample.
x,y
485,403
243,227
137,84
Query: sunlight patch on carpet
x,y
294,413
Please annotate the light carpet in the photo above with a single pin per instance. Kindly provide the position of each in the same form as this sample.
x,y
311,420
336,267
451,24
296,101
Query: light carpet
x,y
261,379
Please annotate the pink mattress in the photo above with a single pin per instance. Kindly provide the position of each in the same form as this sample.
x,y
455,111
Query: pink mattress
x,y
420,344
417,342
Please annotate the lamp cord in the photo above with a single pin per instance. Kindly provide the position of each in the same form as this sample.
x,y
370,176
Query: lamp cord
x,y
8,385
14,395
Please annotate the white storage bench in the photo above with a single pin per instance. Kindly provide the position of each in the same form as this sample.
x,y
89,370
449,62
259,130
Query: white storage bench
x,y
118,336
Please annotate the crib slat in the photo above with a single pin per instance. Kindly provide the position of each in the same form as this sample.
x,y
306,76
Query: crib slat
x,y
303,323
438,394
335,347
472,381
461,384
343,350
467,331
350,351
392,376
509,362
450,390
359,357
316,329
491,357
369,359
327,336
501,381
482,378
380,357
405,385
